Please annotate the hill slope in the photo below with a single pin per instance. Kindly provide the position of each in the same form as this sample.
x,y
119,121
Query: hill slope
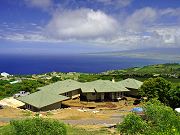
x,y
161,69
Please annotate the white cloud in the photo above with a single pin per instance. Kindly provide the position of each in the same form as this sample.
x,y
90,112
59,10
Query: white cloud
x,y
169,35
140,18
170,12
44,4
119,3
81,23
29,37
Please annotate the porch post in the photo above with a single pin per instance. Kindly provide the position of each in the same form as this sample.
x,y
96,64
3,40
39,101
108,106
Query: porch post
x,y
102,96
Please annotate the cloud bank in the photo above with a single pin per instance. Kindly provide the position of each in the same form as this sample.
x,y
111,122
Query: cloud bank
x,y
119,3
145,27
43,4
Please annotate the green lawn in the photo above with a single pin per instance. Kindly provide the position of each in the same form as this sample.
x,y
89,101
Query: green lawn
x,y
6,130
150,69
81,131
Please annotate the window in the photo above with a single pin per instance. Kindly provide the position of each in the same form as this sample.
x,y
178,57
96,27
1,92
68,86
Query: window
x,y
66,94
28,106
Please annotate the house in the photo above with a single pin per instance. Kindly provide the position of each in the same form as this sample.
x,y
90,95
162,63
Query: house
x,y
51,96
102,90
4,74
132,85
42,101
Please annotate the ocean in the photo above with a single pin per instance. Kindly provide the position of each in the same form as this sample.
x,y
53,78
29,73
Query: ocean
x,y
37,64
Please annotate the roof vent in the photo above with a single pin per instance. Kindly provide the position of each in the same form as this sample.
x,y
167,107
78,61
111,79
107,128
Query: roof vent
x,y
113,80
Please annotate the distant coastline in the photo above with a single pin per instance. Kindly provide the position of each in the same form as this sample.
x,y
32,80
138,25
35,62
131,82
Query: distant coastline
x,y
171,54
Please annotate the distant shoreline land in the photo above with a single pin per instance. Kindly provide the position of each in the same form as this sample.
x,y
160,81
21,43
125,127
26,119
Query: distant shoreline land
x,y
30,83
171,54
169,70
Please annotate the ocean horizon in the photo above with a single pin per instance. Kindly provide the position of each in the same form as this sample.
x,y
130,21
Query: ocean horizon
x,y
38,64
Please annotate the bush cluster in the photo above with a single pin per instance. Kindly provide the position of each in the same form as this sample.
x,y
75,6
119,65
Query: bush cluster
x,y
159,120
133,124
38,126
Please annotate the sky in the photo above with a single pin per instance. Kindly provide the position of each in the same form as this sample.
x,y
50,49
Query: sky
x,y
80,26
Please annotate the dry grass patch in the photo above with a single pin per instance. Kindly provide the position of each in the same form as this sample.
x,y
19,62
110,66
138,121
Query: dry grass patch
x,y
74,114
9,112
3,123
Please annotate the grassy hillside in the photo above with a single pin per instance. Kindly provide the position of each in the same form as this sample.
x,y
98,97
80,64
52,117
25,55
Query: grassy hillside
x,y
171,70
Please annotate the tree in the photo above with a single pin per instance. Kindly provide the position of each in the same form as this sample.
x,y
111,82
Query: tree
x,y
156,88
174,96
55,79
31,85
7,89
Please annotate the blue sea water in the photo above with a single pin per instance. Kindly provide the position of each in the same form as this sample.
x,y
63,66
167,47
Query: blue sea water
x,y
36,64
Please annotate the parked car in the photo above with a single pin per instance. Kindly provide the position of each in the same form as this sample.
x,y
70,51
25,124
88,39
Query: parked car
x,y
21,93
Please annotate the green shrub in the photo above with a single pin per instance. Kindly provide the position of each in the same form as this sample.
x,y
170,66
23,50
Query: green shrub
x,y
38,126
6,130
132,125
161,118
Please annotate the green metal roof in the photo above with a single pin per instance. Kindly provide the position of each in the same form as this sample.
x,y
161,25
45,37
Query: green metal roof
x,y
51,93
102,86
62,86
131,83
42,98
87,88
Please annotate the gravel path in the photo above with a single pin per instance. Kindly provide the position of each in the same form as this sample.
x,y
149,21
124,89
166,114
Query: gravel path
x,y
113,120
116,118
92,122
7,119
